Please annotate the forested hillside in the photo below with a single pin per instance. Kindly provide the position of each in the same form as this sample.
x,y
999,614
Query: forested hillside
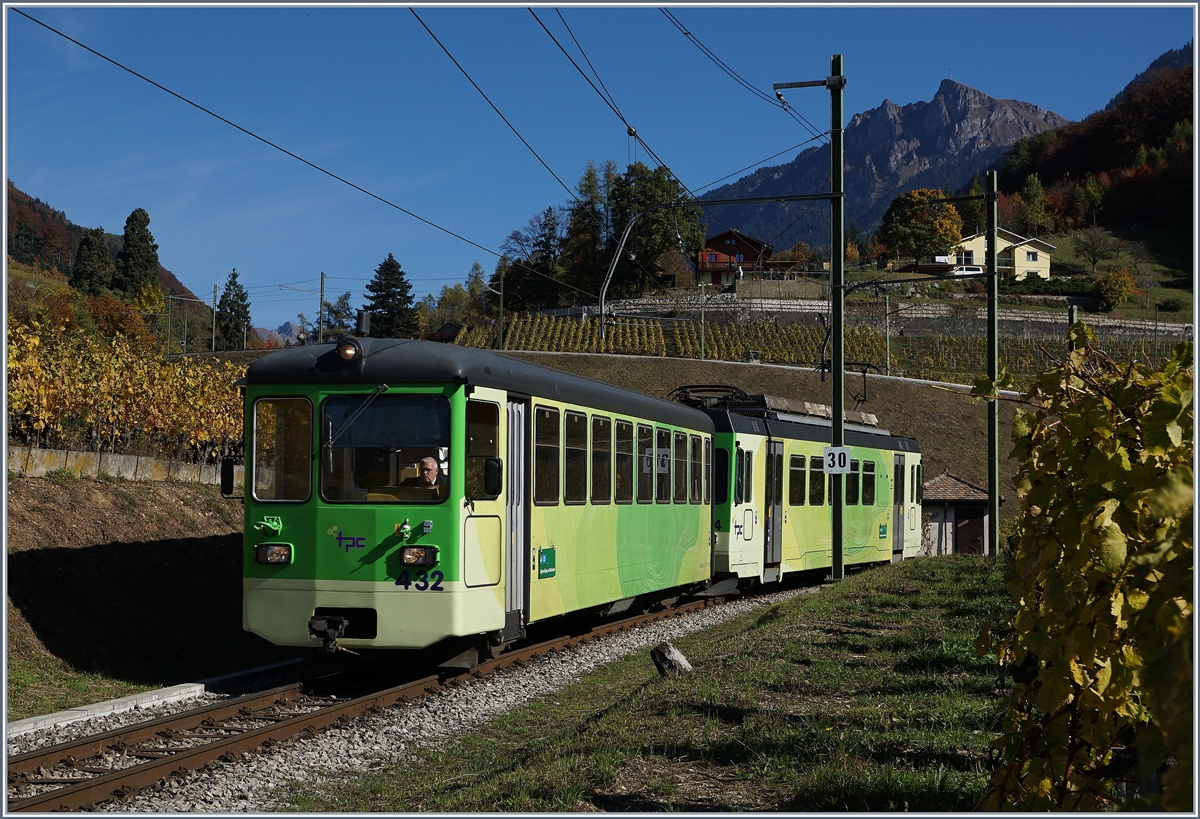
x,y
44,239
1134,158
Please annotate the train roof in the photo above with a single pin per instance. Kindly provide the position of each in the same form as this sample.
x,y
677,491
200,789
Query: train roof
x,y
407,361
808,429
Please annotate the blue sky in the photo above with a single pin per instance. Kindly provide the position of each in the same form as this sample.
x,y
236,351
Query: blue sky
x,y
368,95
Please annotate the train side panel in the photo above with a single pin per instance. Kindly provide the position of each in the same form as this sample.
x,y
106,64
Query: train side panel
x,y
587,549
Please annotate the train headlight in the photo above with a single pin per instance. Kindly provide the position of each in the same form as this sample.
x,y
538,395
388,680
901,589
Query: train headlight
x,y
418,555
273,554
349,349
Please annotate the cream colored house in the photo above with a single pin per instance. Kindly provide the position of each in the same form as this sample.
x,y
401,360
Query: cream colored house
x,y
1017,257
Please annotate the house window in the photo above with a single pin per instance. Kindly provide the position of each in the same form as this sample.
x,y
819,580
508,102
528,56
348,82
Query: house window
x,y
966,257
741,257
1031,255
712,258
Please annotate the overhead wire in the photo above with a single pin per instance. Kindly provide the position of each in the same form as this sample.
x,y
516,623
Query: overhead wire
x,y
595,219
858,165
283,150
629,128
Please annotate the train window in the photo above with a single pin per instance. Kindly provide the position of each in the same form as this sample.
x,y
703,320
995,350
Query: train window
x,y
624,471
545,461
816,481
601,459
385,449
681,467
696,464
796,484
662,465
920,484
912,484
282,449
852,484
646,464
778,479
575,456
483,441
868,483
708,470
748,481
739,475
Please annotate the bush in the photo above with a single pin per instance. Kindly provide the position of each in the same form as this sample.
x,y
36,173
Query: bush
x,y
1172,305
1113,288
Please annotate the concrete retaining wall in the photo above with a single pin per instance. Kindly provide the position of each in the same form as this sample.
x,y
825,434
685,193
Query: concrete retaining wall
x,y
35,463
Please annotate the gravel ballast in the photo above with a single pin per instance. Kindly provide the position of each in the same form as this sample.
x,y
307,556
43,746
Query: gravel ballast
x,y
258,780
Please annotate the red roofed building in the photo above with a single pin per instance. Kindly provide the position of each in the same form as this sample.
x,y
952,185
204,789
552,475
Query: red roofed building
x,y
958,512
730,253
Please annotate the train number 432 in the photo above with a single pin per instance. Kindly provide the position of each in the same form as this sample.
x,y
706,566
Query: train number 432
x,y
425,581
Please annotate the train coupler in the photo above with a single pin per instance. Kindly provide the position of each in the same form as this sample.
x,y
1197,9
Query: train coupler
x,y
329,629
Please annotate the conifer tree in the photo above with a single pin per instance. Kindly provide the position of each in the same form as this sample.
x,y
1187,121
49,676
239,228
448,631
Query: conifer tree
x,y
340,317
137,263
92,273
391,303
233,314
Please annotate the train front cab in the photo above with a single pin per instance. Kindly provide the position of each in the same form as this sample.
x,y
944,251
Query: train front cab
x,y
336,530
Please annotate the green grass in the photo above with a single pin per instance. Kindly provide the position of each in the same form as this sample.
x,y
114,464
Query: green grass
x,y
40,685
866,696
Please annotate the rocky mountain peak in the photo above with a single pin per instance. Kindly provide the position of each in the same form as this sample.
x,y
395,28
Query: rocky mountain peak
x,y
936,144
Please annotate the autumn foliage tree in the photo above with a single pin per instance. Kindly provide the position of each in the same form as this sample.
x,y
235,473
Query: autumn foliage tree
x,y
1113,288
919,227
1098,642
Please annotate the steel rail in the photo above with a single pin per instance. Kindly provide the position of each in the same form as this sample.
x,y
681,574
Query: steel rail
x,y
124,783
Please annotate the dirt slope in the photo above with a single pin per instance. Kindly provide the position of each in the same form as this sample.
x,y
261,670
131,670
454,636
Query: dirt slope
x,y
138,583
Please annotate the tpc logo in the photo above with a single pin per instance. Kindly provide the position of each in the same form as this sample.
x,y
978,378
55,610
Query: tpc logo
x,y
346,541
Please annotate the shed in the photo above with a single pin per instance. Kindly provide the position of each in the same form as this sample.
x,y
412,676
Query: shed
x,y
958,516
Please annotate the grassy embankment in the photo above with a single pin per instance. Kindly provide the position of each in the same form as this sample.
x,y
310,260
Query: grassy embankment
x,y
117,587
866,696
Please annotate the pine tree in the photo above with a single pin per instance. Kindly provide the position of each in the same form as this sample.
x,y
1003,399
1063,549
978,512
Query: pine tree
x,y
233,314
340,318
391,302
92,273
137,263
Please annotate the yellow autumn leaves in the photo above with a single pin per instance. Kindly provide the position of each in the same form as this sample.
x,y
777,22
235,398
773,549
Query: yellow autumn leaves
x,y
74,389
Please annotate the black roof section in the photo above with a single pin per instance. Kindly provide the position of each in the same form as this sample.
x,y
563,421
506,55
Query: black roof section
x,y
404,361
818,429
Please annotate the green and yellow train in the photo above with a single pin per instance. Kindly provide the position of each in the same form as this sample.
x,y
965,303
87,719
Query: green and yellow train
x,y
407,494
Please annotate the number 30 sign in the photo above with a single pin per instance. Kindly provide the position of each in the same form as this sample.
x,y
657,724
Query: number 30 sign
x,y
837,460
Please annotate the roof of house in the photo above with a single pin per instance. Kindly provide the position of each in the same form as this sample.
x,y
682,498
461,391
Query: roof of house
x,y
948,488
746,237
1013,239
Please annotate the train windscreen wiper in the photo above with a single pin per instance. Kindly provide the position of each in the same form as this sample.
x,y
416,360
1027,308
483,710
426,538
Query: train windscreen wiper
x,y
333,436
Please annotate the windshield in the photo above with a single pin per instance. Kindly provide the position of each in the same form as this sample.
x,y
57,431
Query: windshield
x,y
397,450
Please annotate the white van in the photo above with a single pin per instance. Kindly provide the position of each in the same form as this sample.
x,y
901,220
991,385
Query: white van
x,y
967,270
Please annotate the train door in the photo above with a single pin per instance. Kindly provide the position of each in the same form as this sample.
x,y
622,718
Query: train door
x,y
516,591
898,500
773,505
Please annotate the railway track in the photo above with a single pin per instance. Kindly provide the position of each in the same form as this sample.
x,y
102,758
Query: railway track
x,y
114,765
